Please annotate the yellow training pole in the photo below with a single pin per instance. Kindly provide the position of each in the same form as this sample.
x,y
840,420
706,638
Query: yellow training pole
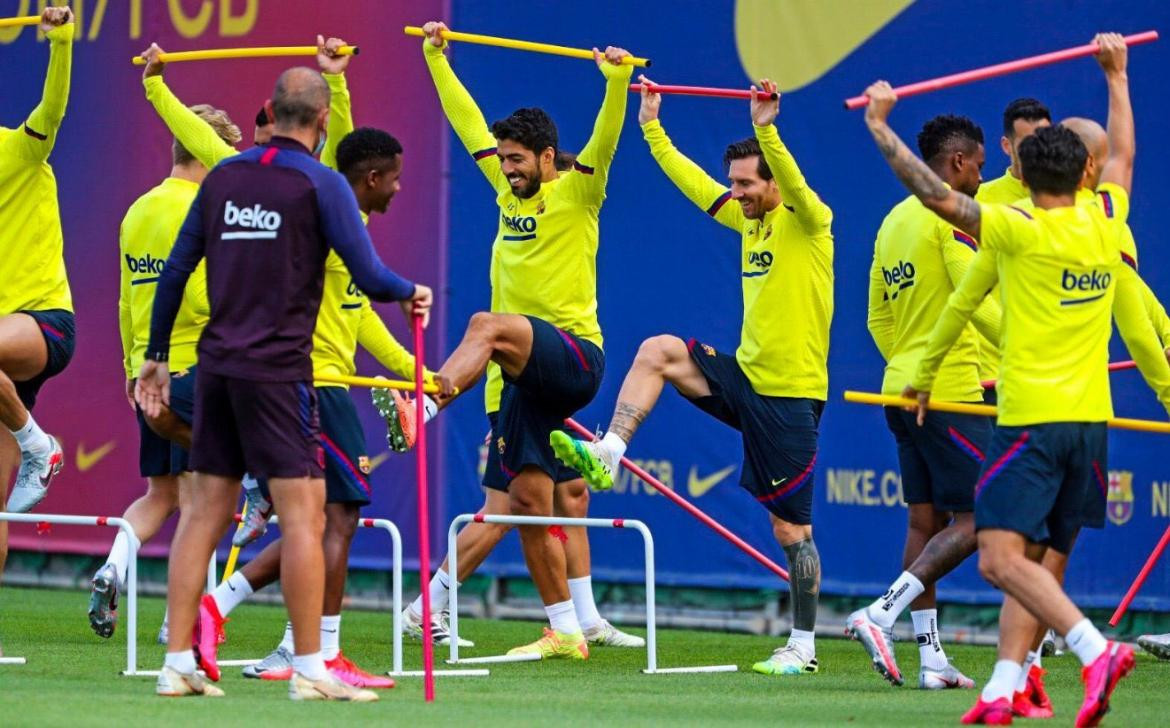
x,y
888,400
220,53
234,556
375,382
523,45
20,20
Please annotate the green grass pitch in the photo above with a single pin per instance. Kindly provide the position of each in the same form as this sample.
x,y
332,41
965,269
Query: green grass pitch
x,y
72,679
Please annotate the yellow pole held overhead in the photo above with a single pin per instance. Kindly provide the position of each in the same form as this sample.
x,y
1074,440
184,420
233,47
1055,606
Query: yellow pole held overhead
x,y
223,53
522,45
20,20
373,382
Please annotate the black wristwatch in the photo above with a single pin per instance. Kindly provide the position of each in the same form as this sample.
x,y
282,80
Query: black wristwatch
x,y
159,356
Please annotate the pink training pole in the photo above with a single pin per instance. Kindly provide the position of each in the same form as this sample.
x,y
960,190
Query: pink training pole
x,y
1141,578
424,518
1000,69
1114,366
722,93
690,508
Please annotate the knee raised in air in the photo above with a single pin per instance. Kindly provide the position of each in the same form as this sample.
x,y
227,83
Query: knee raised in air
x,y
483,325
657,352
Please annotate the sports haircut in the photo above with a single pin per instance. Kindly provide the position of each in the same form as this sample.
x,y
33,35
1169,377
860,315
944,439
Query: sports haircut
x,y
564,161
218,120
529,127
300,95
946,134
365,149
1053,160
749,147
1026,108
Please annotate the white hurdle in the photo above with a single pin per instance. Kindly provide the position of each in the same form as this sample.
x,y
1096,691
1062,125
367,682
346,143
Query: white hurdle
x,y
131,572
648,544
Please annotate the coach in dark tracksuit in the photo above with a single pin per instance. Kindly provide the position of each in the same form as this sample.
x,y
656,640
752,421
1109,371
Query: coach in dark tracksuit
x,y
265,221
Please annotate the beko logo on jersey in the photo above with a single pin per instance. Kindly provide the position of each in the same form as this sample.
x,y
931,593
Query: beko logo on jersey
x,y
901,276
519,224
255,217
1091,282
147,264
760,260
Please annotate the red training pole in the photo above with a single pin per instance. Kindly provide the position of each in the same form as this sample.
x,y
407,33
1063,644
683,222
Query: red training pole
x,y
424,519
1114,366
1000,69
723,93
690,508
1141,578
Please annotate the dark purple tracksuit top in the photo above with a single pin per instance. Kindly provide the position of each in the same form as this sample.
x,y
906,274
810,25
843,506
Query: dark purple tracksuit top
x,y
265,221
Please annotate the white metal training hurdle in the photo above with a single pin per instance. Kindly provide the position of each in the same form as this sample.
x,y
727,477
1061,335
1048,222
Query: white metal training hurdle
x,y
131,572
648,542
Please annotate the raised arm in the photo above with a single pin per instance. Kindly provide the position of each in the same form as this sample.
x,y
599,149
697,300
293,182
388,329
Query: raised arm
x,y
340,108
1139,335
698,186
1118,167
195,134
39,134
592,165
814,216
465,117
954,207
880,321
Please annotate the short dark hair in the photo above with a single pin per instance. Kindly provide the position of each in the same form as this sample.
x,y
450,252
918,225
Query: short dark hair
x,y
262,119
530,127
364,149
1026,108
745,148
1053,160
564,160
944,132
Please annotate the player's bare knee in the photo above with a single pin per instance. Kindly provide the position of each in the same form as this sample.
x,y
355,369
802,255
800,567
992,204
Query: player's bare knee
x,y
572,499
996,566
657,352
483,326
341,525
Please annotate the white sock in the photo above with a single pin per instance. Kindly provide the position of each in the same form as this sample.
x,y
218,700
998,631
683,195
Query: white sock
x,y
231,593
1033,658
1036,661
120,557
1086,641
581,590
183,662
440,589
614,447
804,641
430,408
885,610
330,636
1002,682
32,439
311,666
930,650
562,617
287,642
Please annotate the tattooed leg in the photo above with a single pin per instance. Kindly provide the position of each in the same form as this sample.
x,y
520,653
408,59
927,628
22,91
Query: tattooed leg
x,y
660,359
804,571
946,550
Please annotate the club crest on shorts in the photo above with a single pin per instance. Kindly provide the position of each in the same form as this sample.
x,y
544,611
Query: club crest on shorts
x,y
500,445
708,350
1119,496
364,464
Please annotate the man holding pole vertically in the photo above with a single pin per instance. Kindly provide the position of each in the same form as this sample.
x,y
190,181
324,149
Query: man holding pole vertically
x,y
773,390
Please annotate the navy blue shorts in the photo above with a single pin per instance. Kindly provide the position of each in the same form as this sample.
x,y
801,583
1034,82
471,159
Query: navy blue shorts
x,y
493,474
157,455
268,429
347,466
779,435
1044,481
940,461
562,376
991,396
57,326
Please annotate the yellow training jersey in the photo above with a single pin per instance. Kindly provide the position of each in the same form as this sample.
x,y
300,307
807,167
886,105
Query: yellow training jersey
x,y
918,261
787,268
32,249
147,234
1062,278
1003,190
544,257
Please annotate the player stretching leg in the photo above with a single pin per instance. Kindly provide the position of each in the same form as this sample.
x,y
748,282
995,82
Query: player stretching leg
x,y
773,390
36,306
542,336
148,232
1050,443
918,262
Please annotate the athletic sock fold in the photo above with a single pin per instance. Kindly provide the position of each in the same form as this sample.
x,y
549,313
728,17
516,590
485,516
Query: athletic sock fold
x,y
805,641
581,591
1086,641
181,662
32,439
1003,681
614,447
562,617
231,593
930,650
885,610
1030,660
330,636
311,666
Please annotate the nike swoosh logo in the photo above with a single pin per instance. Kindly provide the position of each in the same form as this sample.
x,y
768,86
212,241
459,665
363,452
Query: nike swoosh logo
x,y
86,460
779,482
331,631
378,460
697,486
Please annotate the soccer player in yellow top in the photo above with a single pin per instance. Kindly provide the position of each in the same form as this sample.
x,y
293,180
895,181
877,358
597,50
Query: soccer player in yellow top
x,y
372,162
1062,280
147,234
542,332
36,307
773,390
918,262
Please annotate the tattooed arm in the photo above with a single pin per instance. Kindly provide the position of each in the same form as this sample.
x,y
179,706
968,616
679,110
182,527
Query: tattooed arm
x,y
954,207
